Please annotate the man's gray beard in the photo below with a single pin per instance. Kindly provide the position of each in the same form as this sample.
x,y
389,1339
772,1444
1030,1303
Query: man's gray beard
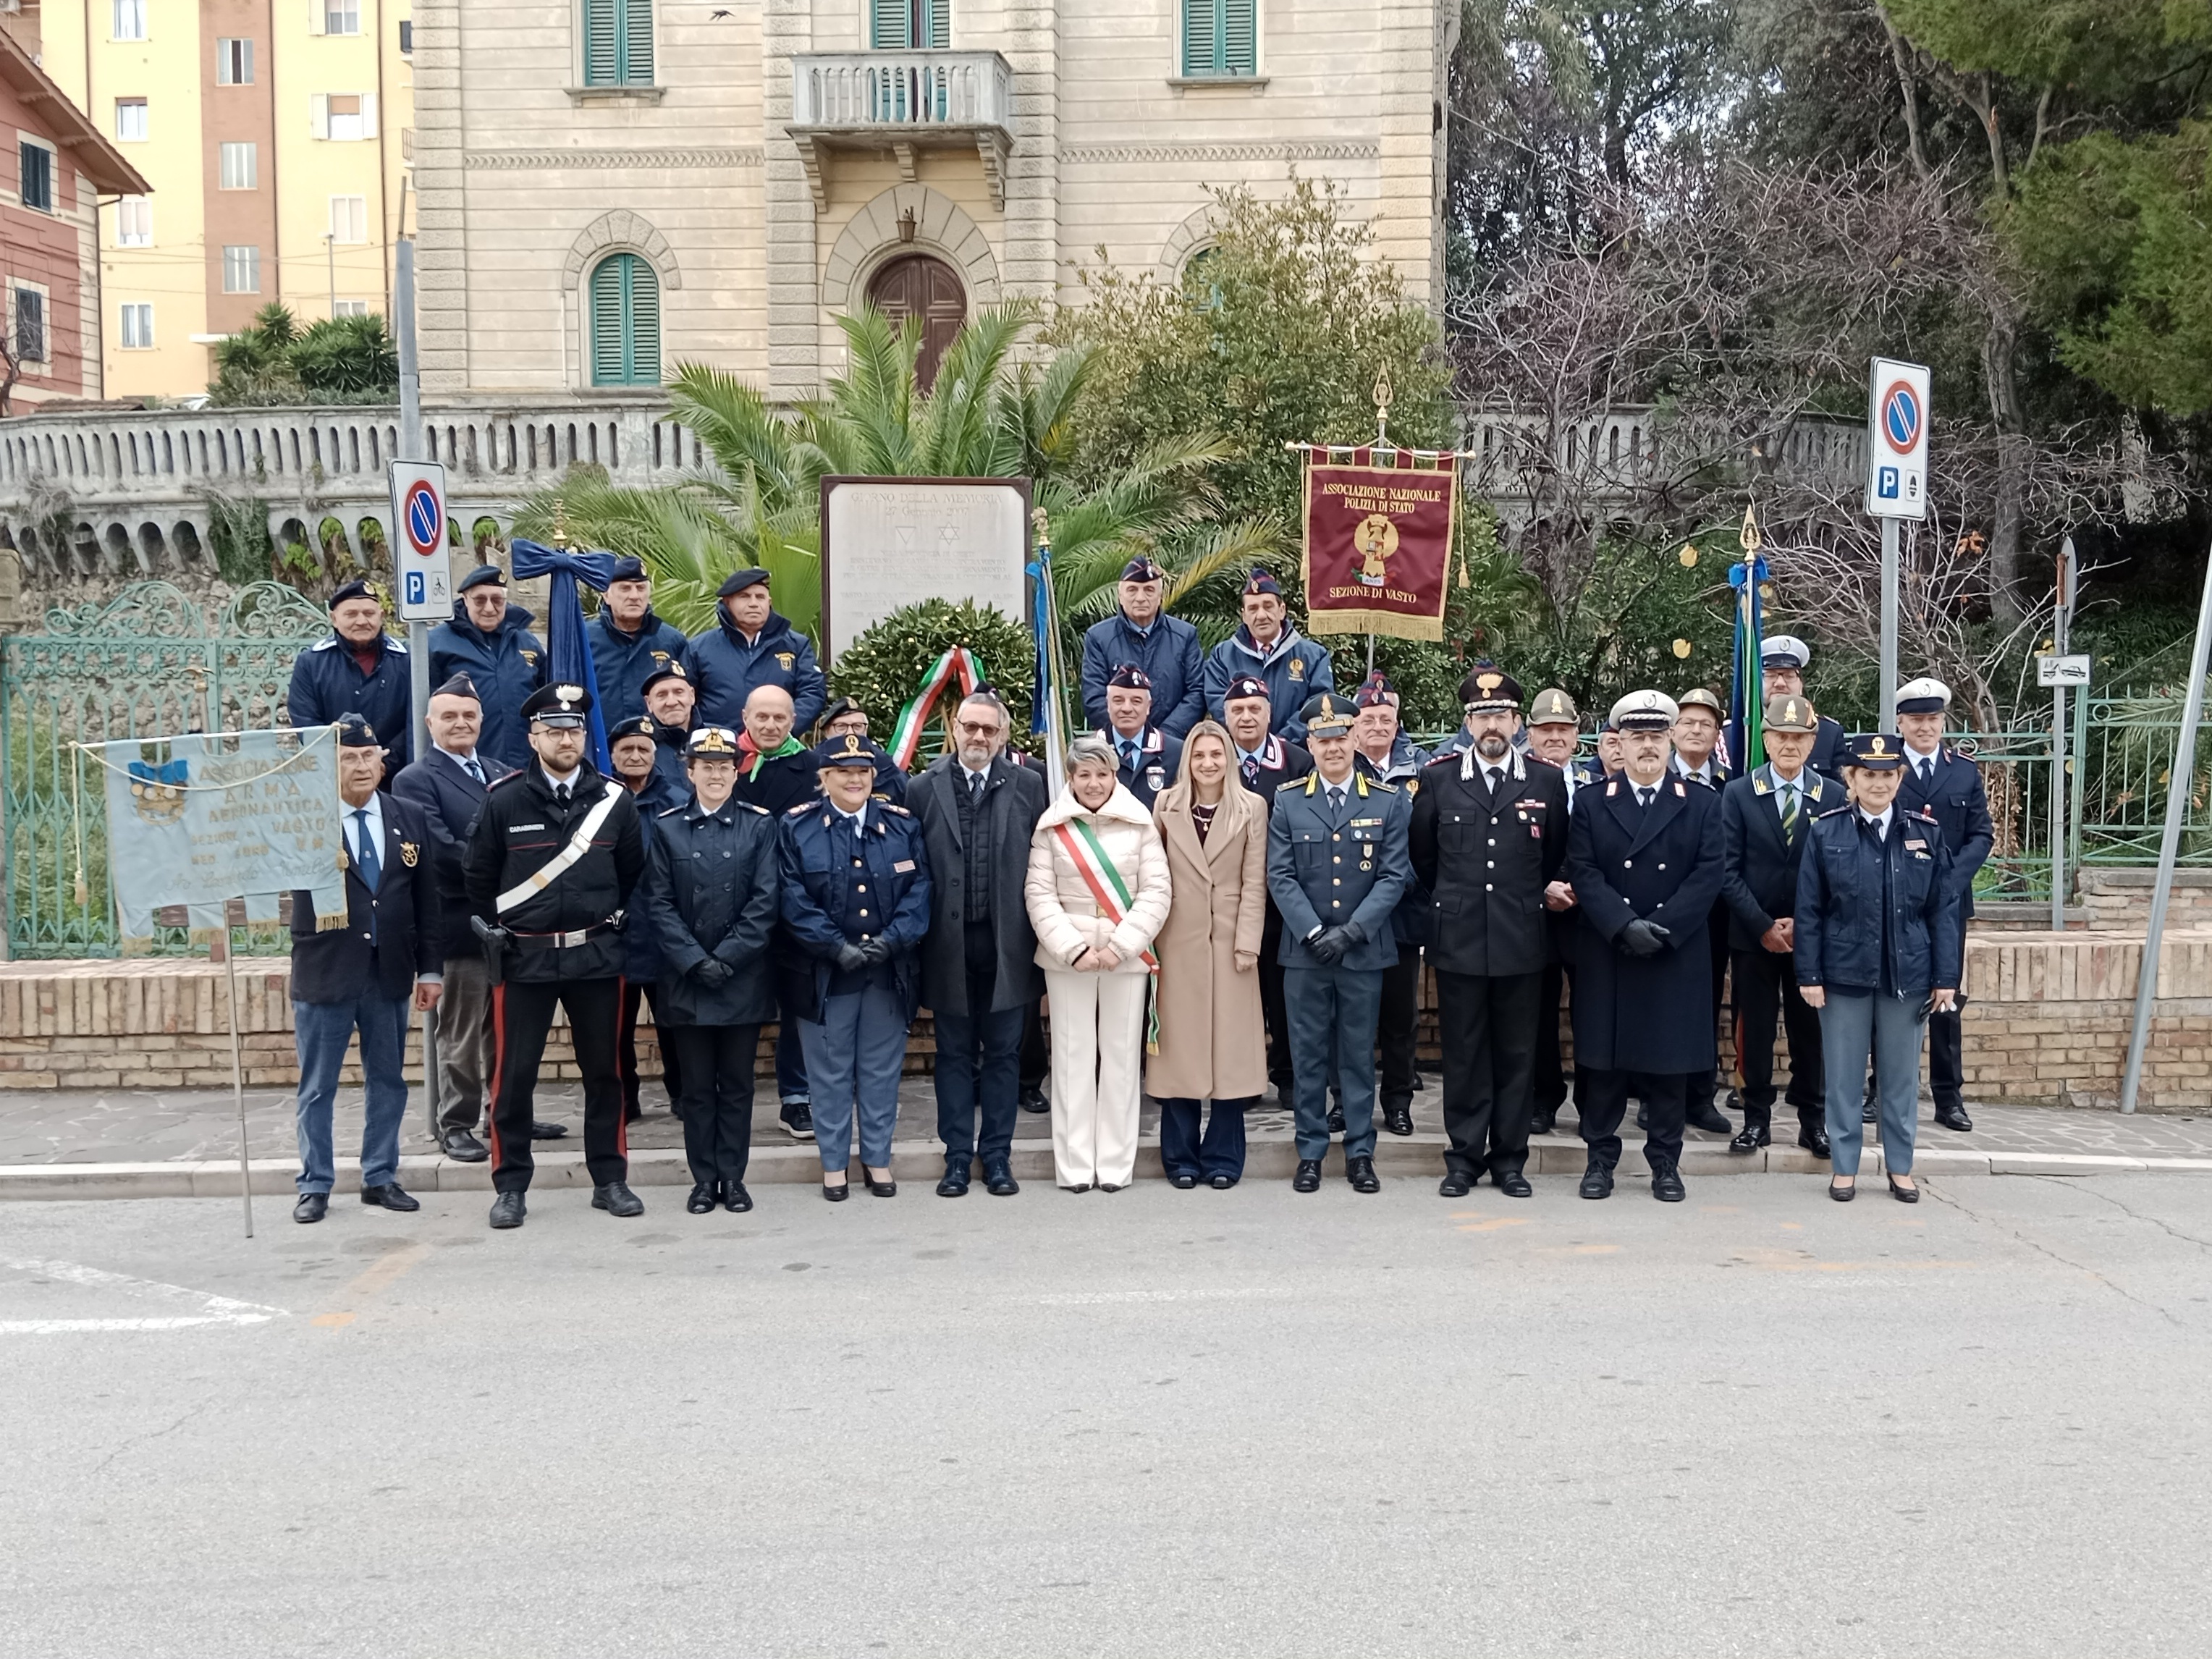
x,y
1491,746
975,757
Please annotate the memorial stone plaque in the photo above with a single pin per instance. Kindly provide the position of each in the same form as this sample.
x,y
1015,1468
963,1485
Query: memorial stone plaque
x,y
887,543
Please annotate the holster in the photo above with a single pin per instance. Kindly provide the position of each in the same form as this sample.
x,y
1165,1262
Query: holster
x,y
495,941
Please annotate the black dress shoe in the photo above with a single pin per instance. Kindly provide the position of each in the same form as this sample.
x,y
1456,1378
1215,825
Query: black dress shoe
x,y
507,1210
463,1147
703,1201
1456,1183
1222,1183
1597,1183
541,1130
391,1196
1398,1119
1033,1100
1954,1116
311,1207
1643,1115
1842,1195
838,1194
954,1184
1814,1142
1903,1194
632,1114
1870,1112
1512,1184
1750,1137
1307,1179
616,1199
1183,1182
1735,1103
1543,1123
1336,1120
735,1198
885,1188
799,1121
1667,1184
1360,1172
1706,1116
999,1179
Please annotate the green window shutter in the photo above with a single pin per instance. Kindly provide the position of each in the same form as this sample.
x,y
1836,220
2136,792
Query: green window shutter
x,y
1199,35
644,323
1239,47
637,43
602,62
890,24
607,366
934,22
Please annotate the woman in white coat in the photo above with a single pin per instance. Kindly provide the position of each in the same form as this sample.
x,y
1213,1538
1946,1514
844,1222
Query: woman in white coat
x,y
1097,893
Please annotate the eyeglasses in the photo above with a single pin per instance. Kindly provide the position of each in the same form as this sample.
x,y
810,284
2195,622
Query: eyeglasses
x,y
979,729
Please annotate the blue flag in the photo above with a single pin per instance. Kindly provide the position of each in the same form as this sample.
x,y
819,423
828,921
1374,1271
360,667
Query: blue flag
x,y
567,645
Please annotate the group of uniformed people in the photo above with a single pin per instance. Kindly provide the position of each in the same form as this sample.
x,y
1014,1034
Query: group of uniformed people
x,y
1237,837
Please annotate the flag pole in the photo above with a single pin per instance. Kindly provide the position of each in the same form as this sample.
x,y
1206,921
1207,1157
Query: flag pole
x,y
221,944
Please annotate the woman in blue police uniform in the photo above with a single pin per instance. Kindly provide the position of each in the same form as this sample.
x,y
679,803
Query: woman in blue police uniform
x,y
855,905
1878,949
712,885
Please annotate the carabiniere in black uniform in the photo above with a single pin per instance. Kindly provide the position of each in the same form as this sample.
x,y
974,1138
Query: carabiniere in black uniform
x,y
550,871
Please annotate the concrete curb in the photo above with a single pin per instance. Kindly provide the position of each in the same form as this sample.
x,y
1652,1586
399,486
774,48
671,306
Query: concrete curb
x,y
920,1162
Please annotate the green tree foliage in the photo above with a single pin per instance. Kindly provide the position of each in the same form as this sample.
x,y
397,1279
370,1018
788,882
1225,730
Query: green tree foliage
x,y
339,360
881,669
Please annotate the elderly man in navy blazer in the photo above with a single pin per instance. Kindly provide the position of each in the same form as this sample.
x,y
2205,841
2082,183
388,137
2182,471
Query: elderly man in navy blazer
x,y
1165,647
362,976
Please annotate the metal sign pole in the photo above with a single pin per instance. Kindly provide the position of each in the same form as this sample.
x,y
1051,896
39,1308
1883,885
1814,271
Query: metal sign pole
x,y
418,632
1889,624
238,1068
2061,620
2177,810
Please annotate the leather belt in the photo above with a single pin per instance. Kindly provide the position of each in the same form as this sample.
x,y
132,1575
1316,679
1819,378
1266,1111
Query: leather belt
x,y
566,941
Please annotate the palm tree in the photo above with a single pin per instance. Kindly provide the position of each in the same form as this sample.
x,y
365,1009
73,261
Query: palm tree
x,y
987,416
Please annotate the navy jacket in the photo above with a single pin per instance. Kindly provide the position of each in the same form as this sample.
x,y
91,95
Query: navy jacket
x,y
506,664
1294,670
816,854
1158,757
326,682
624,662
342,964
1326,869
1961,806
1858,934
1414,920
776,783
1759,869
522,829
450,800
1169,654
724,669
668,760
711,888
640,942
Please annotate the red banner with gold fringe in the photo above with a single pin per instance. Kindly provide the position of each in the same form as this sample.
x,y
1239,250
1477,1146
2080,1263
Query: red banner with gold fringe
x,y
1378,541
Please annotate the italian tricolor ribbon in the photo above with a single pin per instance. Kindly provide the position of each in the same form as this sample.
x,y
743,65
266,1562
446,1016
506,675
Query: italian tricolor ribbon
x,y
1080,842
906,736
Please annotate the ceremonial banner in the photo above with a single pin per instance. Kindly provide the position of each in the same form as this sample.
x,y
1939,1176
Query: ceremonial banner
x,y
1378,540
567,646
201,819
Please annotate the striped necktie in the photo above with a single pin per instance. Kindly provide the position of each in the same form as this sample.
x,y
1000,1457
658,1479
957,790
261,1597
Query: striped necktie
x,y
1789,813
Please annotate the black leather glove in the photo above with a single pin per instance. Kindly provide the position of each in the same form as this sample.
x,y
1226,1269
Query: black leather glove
x,y
876,951
851,957
1352,934
1327,945
713,971
1644,939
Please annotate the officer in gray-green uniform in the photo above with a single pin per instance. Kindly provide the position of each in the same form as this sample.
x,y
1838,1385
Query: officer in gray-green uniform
x,y
1337,866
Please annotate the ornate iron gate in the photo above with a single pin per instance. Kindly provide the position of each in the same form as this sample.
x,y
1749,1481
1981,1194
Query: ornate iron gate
x,y
152,660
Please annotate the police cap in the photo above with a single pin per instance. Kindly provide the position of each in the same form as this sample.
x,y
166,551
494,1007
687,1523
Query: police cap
x,y
1488,689
1922,697
1644,711
850,750
717,741
557,705
1874,751
1784,651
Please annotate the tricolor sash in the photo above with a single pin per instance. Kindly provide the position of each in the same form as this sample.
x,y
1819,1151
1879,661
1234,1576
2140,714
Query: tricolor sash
x,y
1112,896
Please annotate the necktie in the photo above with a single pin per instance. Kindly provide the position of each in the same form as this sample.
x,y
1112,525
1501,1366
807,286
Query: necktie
x,y
1251,769
1927,770
1789,813
1336,800
1492,774
1129,753
364,844
1644,797
975,788
560,794
475,770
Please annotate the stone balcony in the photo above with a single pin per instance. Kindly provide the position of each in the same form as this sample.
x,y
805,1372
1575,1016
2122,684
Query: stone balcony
x,y
897,103
103,491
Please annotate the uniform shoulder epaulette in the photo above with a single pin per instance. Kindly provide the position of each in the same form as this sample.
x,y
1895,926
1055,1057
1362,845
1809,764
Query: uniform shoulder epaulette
x,y
1833,810
1387,788
501,783
1928,811
752,806
892,806
1293,783
1447,757
331,643
668,811
800,811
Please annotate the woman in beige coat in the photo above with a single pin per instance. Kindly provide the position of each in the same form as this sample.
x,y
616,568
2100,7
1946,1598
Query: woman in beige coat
x,y
1213,1045
1098,892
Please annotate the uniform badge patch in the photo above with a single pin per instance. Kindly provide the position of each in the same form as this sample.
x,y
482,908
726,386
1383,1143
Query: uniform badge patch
x,y
1297,669
903,866
408,853
784,660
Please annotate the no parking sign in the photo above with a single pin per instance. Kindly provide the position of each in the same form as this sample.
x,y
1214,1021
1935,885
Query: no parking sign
x,y
1897,440
418,510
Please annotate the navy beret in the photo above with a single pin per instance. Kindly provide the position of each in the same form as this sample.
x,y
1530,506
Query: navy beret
x,y
484,575
629,568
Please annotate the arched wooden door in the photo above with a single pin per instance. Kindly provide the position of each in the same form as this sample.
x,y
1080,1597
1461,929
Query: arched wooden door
x,y
917,285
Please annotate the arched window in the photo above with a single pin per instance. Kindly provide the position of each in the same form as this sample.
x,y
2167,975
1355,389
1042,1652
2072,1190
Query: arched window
x,y
625,322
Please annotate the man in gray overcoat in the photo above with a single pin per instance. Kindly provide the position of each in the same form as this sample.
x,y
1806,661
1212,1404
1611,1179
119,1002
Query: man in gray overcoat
x,y
979,975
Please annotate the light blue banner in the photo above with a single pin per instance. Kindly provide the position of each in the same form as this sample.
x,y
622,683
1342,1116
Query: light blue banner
x,y
200,819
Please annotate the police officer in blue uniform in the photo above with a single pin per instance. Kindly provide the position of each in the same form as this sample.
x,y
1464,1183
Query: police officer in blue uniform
x,y
1165,647
1150,758
844,715
1644,854
1942,783
750,645
491,641
630,644
359,670
855,908
1265,647
711,896
1337,866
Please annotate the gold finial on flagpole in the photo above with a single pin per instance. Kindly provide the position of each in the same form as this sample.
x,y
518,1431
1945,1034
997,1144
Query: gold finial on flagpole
x,y
1383,395
560,526
1751,539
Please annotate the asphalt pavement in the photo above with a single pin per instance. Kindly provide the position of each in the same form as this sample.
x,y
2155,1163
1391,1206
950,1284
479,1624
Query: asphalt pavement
x,y
1144,1422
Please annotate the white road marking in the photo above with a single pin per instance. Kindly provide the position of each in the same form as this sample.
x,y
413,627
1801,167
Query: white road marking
x,y
206,1308
1090,1298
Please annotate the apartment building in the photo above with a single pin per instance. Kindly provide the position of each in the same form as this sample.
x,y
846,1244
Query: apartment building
x,y
612,187
273,139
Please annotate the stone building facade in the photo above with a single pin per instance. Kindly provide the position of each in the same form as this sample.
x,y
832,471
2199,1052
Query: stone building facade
x,y
609,187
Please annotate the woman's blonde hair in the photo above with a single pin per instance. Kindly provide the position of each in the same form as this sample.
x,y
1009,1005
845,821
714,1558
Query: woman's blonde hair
x,y
1237,802
1095,748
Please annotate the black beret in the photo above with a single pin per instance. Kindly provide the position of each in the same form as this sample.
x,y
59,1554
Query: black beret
x,y
738,580
629,568
484,575
356,732
837,711
637,725
457,685
673,671
357,588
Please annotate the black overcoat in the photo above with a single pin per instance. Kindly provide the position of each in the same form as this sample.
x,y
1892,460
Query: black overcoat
x,y
449,800
1486,861
711,888
1663,862
1014,798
